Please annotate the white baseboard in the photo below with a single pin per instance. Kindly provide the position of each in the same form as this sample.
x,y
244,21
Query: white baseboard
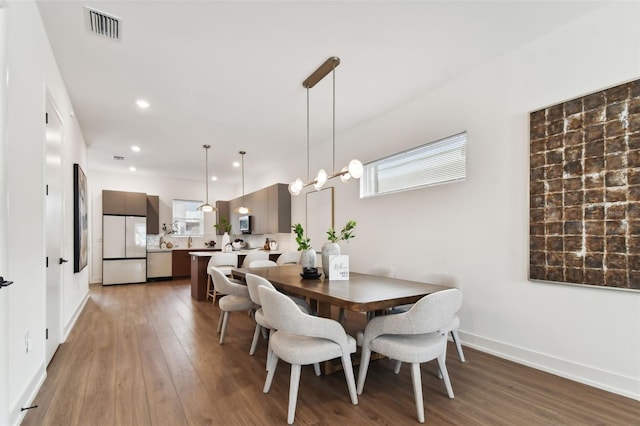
x,y
74,318
28,397
605,380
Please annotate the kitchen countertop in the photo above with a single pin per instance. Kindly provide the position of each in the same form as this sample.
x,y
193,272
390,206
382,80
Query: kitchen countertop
x,y
240,252
159,250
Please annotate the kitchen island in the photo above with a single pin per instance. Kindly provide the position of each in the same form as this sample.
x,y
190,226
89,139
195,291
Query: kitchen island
x,y
199,262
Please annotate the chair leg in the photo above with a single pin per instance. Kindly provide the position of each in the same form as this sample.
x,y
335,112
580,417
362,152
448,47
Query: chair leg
x,y
269,351
348,373
225,319
316,369
208,286
417,390
396,369
445,375
254,342
220,322
215,293
364,365
271,369
294,383
456,340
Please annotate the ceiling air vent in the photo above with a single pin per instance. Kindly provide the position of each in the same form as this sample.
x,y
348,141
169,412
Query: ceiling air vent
x,y
118,158
102,24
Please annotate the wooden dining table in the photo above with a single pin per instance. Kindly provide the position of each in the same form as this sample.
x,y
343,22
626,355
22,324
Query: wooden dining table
x,y
360,293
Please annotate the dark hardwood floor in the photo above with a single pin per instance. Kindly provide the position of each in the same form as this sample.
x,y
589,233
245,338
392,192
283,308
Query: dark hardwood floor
x,y
149,354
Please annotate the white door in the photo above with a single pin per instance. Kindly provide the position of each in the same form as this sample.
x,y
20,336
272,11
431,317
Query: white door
x,y
54,231
4,244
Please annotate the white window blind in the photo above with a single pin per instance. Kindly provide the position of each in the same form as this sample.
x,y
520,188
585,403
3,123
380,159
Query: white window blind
x,y
437,162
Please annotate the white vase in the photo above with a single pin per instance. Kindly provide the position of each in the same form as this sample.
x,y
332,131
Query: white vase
x,y
328,249
308,258
225,240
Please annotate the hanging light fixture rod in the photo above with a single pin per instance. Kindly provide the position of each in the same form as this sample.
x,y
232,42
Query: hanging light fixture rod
x,y
206,207
322,71
243,209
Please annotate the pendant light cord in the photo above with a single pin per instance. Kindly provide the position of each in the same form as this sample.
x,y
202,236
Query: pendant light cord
x,y
333,165
206,172
308,175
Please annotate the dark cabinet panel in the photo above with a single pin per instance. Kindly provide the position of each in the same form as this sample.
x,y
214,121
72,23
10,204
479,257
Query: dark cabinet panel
x,y
223,211
113,202
135,203
153,214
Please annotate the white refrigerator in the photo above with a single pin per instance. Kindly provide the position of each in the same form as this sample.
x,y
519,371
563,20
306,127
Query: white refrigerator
x,y
124,249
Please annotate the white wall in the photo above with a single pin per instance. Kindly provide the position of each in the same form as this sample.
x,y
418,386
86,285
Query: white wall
x,y
32,72
478,229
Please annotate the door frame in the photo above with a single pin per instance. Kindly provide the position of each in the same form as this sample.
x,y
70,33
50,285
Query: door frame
x,y
54,299
4,244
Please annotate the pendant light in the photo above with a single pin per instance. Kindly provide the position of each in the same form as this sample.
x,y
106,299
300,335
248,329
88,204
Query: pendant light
x,y
243,209
206,207
355,168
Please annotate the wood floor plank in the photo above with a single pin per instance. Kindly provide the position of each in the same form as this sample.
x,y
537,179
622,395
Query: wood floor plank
x,y
149,355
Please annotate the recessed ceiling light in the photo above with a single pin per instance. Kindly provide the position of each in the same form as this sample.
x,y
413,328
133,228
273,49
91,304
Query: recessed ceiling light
x,y
214,177
142,103
135,148
236,164
133,169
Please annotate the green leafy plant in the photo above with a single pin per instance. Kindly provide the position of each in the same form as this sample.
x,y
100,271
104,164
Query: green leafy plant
x,y
224,225
304,243
346,233
173,230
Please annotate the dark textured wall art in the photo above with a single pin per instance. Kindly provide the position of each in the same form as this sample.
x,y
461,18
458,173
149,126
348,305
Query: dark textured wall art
x,y
584,208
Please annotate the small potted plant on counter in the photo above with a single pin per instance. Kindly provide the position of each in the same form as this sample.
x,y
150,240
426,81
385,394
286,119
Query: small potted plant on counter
x,y
307,254
332,248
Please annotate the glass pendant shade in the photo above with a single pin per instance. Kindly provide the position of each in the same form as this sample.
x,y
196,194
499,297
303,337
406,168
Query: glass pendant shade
x,y
345,176
296,186
321,179
355,169
243,210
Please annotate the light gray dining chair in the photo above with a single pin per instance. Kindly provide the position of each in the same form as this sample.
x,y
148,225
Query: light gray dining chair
x,y
254,255
447,280
303,339
262,264
236,298
253,283
414,337
224,262
288,257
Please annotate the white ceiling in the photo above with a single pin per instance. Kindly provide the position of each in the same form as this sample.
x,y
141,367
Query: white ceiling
x,y
230,73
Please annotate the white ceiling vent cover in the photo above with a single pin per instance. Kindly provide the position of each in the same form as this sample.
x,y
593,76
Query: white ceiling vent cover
x,y
102,24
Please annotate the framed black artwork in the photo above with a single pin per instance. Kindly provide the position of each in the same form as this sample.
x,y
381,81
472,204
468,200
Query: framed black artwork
x,y
80,231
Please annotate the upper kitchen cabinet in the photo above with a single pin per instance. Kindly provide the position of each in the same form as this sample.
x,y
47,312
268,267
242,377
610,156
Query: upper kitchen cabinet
x,y
153,214
124,203
279,208
270,210
223,211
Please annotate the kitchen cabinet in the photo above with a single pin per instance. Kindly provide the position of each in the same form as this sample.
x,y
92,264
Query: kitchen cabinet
x,y
270,210
181,261
159,264
223,211
124,203
153,214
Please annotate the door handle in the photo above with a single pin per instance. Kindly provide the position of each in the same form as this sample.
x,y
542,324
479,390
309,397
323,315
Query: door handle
x,y
63,260
4,283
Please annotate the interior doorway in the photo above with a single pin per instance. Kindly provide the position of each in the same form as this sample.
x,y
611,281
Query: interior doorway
x,y
4,243
54,227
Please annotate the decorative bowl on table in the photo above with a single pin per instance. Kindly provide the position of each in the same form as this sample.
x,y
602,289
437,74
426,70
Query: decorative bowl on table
x,y
310,273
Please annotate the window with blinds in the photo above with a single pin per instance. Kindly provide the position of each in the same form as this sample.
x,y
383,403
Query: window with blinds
x,y
433,163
